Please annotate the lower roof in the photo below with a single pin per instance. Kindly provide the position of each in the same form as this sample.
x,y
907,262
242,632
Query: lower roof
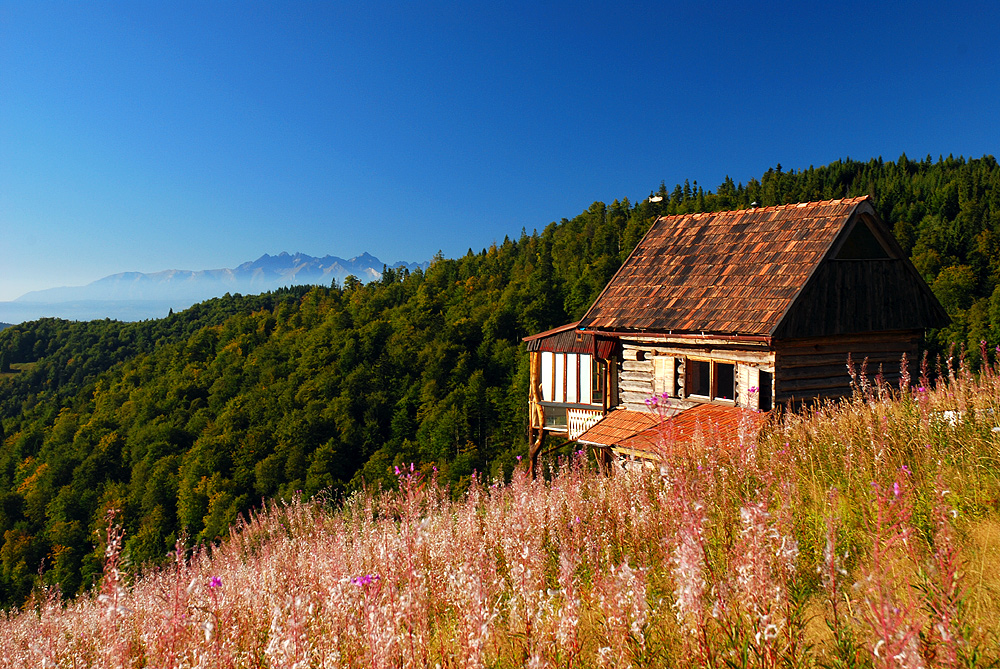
x,y
617,425
646,433
710,422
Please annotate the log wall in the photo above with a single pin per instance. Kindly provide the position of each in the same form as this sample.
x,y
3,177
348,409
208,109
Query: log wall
x,y
651,367
816,367
635,377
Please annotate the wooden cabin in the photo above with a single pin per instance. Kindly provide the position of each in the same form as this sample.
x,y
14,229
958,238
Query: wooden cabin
x,y
741,309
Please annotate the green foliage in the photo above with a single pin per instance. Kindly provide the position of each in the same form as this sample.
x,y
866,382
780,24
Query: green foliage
x,y
186,422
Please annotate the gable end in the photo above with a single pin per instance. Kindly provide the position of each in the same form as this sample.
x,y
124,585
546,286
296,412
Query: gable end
x,y
861,242
863,284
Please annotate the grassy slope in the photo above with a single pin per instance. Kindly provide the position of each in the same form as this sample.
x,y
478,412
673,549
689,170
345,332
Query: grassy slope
x,y
846,537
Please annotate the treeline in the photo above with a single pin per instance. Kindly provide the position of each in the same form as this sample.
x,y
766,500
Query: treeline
x,y
185,422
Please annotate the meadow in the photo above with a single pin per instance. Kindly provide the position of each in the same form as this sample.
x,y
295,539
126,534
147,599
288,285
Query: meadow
x,y
864,533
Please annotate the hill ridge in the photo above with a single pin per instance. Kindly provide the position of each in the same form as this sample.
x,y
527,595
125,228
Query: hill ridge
x,y
134,295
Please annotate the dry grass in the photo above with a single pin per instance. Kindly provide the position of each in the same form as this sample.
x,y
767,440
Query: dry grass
x,y
982,554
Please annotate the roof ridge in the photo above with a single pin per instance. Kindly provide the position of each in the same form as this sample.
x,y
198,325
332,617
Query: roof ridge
x,y
776,207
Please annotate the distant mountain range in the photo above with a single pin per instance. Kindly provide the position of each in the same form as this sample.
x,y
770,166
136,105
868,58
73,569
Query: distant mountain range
x,y
136,296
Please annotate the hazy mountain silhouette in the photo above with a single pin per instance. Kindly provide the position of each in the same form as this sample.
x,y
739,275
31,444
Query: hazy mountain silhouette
x,y
135,295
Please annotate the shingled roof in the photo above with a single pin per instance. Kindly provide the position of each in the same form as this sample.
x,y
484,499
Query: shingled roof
x,y
741,272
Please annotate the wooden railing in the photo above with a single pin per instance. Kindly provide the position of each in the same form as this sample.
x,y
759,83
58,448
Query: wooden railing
x,y
581,420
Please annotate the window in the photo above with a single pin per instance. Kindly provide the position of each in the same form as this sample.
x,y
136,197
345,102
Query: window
x,y
711,380
548,370
555,417
725,381
570,378
765,401
583,380
596,381
560,377
700,378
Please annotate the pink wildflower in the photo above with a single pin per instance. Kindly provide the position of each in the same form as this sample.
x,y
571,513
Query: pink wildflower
x,y
367,579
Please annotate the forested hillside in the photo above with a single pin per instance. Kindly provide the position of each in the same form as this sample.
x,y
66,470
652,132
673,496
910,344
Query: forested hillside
x,y
183,423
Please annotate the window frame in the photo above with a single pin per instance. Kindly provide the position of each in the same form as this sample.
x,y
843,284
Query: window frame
x,y
689,374
563,379
597,367
761,385
713,380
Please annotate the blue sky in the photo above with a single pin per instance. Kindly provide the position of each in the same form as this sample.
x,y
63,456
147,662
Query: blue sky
x,y
145,136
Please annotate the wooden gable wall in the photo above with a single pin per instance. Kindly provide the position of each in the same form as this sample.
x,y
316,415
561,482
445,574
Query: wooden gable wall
x,y
864,284
850,296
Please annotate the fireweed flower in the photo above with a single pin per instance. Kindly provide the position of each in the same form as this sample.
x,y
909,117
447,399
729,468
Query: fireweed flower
x,y
367,579
215,582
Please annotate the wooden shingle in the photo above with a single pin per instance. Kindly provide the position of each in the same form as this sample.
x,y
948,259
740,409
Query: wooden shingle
x,y
741,272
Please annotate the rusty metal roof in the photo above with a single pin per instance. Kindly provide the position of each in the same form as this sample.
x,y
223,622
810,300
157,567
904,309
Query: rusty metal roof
x,y
735,272
617,425
554,331
647,434
712,422
569,339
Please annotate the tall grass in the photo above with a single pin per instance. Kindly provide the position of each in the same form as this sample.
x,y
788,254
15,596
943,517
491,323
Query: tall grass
x,y
859,534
